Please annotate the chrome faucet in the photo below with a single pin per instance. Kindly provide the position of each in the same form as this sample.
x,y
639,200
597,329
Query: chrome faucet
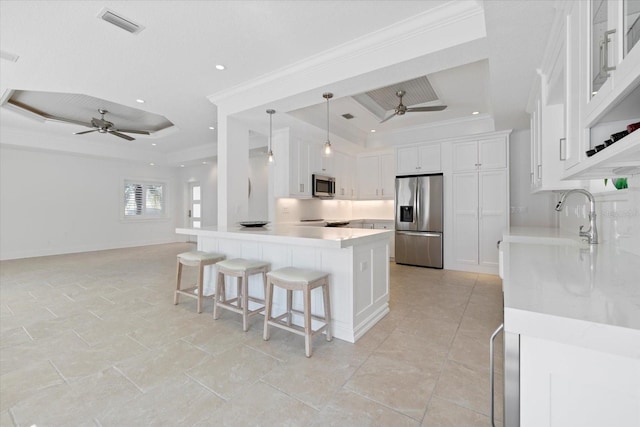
x,y
592,233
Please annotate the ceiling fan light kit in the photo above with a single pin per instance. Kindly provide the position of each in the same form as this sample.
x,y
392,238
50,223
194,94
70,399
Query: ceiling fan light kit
x,y
104,126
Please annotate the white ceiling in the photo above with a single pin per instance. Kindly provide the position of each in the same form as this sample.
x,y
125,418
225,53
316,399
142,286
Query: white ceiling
x,y
63,47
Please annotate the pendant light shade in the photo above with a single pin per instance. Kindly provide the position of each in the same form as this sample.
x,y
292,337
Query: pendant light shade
x,y
327,144
270,151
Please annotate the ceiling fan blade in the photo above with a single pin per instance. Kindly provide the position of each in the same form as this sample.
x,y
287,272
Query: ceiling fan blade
x,y
434,108
393,115
86,131
121,135
140,132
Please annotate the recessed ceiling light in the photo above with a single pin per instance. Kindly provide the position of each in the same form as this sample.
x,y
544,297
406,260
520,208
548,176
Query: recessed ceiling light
x,y
181,166
373,130
152,164
220,67
212,128
140,101
204,163
154,144
476,113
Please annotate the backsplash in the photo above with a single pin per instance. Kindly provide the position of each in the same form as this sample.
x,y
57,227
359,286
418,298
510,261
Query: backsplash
x,y
618,214
294,210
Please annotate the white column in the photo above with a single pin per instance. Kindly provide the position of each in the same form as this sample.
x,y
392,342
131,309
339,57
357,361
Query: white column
x,y
233,170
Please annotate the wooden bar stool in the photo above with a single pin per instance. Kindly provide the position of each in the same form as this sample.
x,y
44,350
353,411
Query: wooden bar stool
x,y
241,269
195,259
298,279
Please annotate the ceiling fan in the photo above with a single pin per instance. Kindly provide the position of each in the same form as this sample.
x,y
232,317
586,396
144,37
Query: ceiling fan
x,y
104,126
401,108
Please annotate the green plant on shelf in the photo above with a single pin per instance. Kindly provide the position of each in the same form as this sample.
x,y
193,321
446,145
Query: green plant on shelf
x,y
619,183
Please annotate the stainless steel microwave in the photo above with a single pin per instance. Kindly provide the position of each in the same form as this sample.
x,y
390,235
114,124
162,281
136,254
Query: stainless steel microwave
x,y
323,186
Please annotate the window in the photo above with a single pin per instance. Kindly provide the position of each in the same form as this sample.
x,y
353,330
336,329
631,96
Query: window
x,y
144,199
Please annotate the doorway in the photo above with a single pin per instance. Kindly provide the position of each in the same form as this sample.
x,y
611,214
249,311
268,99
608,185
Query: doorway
x,y
195,207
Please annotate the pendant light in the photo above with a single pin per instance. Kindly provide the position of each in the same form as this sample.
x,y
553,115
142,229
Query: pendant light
x,y
327,144
271,113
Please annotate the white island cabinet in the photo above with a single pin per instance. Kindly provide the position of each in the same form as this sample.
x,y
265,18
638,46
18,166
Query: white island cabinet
x,y
574,310
356,259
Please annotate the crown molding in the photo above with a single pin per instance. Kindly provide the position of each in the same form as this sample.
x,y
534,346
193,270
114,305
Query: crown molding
x,y
452,129
417,30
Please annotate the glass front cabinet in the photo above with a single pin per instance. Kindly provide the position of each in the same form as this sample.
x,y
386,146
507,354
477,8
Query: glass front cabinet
x,y
602,87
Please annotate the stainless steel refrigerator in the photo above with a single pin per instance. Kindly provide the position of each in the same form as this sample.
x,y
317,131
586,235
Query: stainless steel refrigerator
x,y
419,220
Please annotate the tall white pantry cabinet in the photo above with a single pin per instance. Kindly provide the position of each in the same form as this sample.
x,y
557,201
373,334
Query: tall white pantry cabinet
x,y
480,196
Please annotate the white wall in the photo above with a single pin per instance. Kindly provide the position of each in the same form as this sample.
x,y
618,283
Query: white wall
x,y
54,203
527,210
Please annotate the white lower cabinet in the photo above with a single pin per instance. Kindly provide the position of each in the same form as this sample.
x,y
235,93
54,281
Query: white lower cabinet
x,y
480,215
392,241
570,386
480,202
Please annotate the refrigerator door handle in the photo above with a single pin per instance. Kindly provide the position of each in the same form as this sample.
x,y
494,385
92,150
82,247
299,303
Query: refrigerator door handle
x,y
419,233
417,215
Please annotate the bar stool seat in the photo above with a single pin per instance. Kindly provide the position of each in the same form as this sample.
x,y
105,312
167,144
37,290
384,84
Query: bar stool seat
x,y
241,269
298,279
198,259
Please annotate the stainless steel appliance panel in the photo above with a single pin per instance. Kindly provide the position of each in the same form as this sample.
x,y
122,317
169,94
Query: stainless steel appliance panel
x,y
406,211
323,187
429,203
419,248
419,220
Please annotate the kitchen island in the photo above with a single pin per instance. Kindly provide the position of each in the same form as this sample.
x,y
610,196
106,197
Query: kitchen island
x,y
572,315
356,259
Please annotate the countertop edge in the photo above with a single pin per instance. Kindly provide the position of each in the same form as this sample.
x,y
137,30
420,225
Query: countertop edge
x,y
600,337
252,235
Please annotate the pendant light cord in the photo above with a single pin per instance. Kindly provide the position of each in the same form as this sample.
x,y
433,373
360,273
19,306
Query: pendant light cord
x,y
271,112
327,144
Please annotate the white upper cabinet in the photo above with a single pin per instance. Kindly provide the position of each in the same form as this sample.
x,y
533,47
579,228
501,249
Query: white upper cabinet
x,y
295,161
602,87
419,159
549,148
614,30
343,172
484,154
376,176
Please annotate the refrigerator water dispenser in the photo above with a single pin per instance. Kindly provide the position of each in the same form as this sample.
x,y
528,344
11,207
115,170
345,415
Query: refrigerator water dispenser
x,y
406,213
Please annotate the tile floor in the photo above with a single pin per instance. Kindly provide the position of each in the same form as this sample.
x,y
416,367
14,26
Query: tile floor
x,y
94,339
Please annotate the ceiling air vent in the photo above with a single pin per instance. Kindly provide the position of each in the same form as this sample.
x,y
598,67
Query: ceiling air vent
x,y
120,21
348,116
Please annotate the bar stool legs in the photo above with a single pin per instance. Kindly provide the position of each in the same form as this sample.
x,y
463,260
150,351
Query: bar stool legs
x,y
198,259
297,279
241,269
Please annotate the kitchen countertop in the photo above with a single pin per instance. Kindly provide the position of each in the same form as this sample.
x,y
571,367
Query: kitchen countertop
x,y
559,288
328,237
